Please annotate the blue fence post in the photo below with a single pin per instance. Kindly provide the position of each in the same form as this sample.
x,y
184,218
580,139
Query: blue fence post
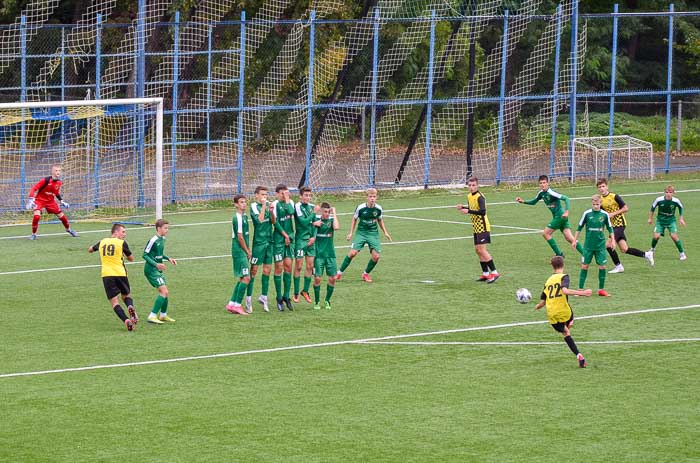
x,y
141,92
23,98
241,88
574,86
96,141
207,159
173,127
502,96
429,109
373,118
613,86
310,96
555,95
669,88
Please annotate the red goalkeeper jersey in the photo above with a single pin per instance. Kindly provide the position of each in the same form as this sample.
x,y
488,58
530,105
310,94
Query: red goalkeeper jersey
x,y
46,190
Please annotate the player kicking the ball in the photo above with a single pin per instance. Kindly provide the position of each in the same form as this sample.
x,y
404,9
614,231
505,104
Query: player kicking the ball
x,y
43,195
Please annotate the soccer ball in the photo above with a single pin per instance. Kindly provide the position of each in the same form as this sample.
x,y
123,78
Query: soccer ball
x,y
523,295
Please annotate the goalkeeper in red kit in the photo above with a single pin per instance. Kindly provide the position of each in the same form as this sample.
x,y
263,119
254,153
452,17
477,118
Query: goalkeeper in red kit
x,y
43,195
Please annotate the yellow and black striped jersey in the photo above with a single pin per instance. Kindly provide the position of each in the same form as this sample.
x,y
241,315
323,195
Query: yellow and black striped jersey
x,y
112,252
611,203
558,308
477,211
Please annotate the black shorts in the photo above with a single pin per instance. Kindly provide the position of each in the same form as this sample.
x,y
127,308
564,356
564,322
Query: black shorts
x,y
482,238
559,327
115,286
619,233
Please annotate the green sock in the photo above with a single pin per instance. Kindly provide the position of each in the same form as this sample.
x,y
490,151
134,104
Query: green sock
x,y
287,278
317,293
601,278
654,242
579,248
158,304
235,291
296,285
265,284
242,287
679,245
553,244
278,286
582,278
250,287
345,264
329,292
164,308
370,266
307,283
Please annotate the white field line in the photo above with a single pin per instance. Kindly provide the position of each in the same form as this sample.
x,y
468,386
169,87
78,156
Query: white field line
x,y
425,208
526,343
458,223
329,344
179,259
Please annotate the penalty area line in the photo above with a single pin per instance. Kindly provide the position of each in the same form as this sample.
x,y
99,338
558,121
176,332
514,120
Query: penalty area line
x,y
329,344
526,343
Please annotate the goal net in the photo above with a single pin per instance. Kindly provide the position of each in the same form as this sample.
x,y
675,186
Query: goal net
x,y
619,156
110,152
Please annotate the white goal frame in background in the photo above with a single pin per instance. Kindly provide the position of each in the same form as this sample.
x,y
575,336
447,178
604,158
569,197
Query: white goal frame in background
x,y
616,156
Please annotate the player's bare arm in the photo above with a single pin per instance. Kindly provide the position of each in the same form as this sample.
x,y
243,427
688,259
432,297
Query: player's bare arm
x,y
577,292
336,222
380,221
352,229
244,247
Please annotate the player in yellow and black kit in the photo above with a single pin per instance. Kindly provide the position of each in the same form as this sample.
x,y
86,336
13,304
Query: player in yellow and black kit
x,y
476,208
555,295
112,252
616,208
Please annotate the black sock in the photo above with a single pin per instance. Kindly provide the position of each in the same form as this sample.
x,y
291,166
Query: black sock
x,y
120,312
491,265
635,252
129,302
614,256
484,267
572,345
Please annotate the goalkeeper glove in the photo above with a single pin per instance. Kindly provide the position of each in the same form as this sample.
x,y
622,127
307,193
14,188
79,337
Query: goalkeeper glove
x,y
64,204
30,204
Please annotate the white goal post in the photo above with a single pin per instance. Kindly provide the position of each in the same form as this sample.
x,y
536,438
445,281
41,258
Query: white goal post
x,y
111,153
619,156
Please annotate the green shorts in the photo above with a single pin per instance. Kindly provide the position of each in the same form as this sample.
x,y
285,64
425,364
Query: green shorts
x,y
301,249
559,223
601,256
371,240
281,252
661,226
241,266
155,277
261,254
327,263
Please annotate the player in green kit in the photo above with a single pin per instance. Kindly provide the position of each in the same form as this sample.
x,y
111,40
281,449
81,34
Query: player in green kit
x,y
154,255
283,245
240,252
325,254
262,247
305,249
596,222
368,220
560,215
666,219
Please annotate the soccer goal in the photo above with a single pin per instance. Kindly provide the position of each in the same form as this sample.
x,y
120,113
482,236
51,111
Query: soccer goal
x,y
619,156
110,151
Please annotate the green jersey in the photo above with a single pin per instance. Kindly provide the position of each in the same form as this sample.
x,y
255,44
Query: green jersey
x,y
596,222
667,209
303,218
367,218
154,253
239,225
284,221
553,201
324,238
262,231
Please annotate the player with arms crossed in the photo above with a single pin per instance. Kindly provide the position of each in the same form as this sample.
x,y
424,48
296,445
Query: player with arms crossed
x,y
240,253
555,295
325,254
283,245
616,209
666,219
305,226
367,219
476,208
43,195
114,277
154,255
596,222
560,215
262,247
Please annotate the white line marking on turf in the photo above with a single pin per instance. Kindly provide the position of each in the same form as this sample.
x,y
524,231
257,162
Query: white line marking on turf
x,y
525,343
332,343
457,222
